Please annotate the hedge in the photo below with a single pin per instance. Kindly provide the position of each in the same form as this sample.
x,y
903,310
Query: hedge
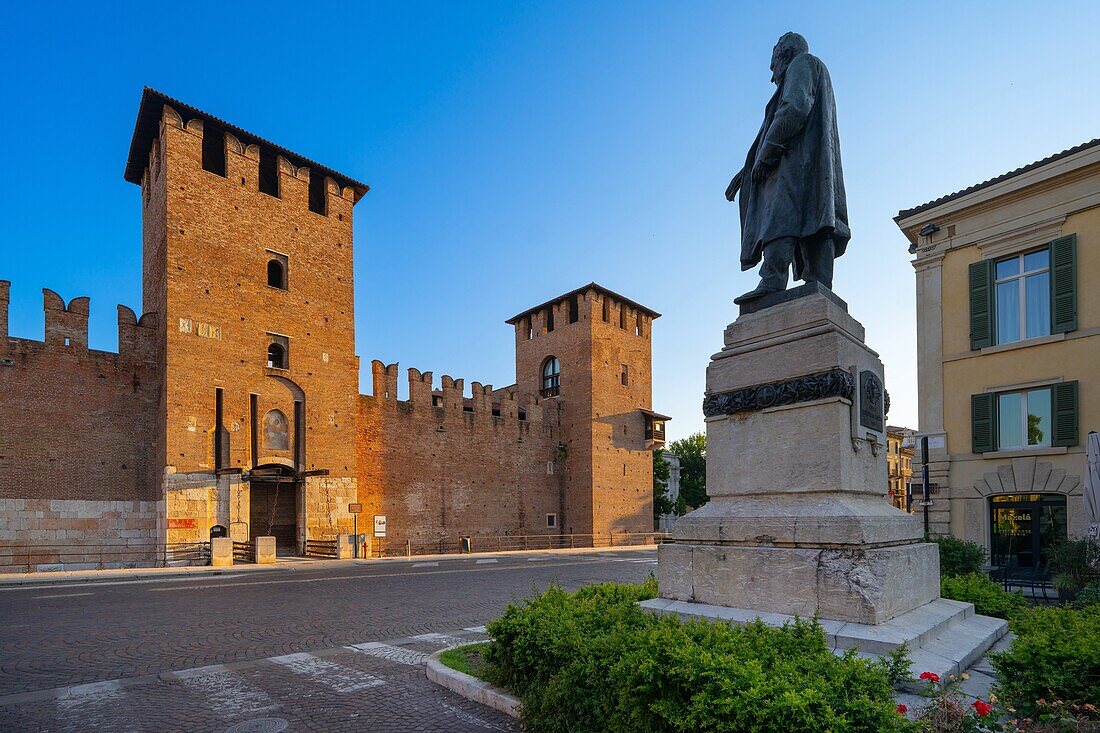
x,y
988,597
1055,656
594,661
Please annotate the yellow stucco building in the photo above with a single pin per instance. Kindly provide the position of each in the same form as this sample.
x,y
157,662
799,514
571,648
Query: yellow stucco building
x,y
899,467
1008,352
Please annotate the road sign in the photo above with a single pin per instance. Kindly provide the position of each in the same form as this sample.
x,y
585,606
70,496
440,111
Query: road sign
x,y
379,525
355,508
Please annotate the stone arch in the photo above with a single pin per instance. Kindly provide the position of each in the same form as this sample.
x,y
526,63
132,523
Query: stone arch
x,y
1027,476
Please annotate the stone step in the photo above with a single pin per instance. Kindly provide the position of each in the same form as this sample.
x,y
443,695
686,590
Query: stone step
x,y
945,637
915,628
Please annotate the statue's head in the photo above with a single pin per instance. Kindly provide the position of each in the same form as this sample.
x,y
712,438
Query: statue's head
x,y
788,46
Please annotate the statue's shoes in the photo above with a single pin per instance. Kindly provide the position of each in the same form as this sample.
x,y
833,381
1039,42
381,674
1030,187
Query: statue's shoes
x,y
759,292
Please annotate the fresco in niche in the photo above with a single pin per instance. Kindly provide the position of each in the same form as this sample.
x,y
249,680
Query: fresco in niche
x,y
276,431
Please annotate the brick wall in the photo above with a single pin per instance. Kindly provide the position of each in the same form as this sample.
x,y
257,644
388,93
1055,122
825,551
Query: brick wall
x,y
441,471
77,482
72,417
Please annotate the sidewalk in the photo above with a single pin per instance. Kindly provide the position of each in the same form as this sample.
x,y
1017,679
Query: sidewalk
x,y
283,564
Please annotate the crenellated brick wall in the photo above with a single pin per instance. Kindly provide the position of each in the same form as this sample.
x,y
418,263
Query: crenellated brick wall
x,y
441,465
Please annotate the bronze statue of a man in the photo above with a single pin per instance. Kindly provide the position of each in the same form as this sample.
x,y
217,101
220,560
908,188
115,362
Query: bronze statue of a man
x,y
793,208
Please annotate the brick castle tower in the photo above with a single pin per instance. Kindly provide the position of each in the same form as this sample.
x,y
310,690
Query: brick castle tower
x,y
591,350
248,263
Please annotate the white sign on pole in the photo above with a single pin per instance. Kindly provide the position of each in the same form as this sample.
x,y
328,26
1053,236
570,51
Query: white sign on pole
x,y
379,525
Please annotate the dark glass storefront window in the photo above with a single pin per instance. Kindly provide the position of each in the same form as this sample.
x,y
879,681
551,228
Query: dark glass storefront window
x,y
1023,527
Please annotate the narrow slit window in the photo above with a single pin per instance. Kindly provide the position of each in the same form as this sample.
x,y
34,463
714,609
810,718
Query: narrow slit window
x,y
318,198
213,148
269,172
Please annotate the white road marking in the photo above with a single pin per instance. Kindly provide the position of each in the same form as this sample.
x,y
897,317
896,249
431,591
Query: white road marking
x,y
484,561
425,565
96,694
59,595
225,691
336,676
391,653
440,639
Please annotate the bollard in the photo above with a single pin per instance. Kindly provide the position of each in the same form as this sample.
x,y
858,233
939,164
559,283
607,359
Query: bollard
x,y
263,549
221,551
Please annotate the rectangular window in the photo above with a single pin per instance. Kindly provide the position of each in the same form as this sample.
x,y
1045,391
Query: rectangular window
x,y
1023,296
1023,419
213,148
626,375
551,521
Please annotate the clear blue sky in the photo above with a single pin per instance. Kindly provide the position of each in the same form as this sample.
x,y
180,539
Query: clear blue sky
x,y
519,150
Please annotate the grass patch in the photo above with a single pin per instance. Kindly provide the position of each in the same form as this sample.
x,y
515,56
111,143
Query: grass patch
x,y
469,659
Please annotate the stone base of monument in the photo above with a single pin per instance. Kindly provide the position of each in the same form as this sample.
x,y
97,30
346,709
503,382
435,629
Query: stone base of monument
x,y
798,523
943,636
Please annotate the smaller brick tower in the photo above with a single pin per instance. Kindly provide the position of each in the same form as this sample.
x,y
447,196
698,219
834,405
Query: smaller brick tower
x,y
591,349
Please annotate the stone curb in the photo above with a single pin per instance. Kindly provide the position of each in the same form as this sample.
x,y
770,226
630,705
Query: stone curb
x,y
128,574
470,687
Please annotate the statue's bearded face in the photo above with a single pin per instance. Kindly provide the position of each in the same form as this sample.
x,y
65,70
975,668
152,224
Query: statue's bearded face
x,y
789,46
781,59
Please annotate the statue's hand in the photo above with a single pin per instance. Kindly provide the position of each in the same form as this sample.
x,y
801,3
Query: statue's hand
x,y
735,185
761,171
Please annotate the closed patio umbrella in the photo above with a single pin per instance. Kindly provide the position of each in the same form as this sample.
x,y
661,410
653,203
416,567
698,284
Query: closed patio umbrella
x,y
1092,483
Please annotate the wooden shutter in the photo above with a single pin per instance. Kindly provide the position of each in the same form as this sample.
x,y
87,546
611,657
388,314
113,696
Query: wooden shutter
x,y
983,408
1063,399
981,304
1063,284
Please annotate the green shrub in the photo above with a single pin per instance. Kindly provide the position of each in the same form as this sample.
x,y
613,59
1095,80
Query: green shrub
x,y
1089,595
959,557
1055,656
1074,564
988,597
593,661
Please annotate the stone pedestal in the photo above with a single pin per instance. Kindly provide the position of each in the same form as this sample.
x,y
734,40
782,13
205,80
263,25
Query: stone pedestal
x,y
221,551
345,546
797,521
264,550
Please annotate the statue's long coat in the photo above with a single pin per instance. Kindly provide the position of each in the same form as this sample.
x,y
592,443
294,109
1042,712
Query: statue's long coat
x,y
804,195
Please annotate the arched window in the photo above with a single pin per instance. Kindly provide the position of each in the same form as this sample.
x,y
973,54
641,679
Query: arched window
x,y
551,377
276,274
276,356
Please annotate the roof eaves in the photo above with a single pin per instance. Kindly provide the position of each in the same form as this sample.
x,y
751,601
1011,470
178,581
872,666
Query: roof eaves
x,y
906,213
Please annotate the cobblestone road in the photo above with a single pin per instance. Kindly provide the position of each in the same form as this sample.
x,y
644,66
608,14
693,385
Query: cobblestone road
x,y
321,646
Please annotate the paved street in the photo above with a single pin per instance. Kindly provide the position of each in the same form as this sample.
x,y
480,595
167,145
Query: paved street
x,y
321,646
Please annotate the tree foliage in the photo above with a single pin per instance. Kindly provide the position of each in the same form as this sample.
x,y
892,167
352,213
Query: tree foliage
x,y
693,469
662,504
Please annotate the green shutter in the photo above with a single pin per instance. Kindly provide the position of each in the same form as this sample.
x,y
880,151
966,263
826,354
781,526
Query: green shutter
x,y
981,304
1063,284
1063,399
982,422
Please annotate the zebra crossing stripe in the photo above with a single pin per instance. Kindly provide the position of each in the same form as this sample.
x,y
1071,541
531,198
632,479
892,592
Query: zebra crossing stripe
x,y
330,674
390,653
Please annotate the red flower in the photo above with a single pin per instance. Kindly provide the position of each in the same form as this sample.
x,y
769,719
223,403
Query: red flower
x,y
981,708
930,676
901,709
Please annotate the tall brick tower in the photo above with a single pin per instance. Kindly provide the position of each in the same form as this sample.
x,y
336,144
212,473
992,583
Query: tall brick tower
x,y
248,264
591,349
